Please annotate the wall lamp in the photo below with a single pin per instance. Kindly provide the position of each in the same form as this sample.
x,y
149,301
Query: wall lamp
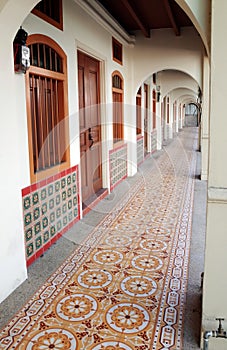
x,y
21,52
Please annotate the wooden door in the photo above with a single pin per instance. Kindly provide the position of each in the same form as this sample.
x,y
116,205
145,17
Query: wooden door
x,y
146,105
138,111
90,126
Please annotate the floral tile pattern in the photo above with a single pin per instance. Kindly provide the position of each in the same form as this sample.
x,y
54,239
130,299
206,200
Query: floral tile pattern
x,y
50,207
140,150
153,141
124,288
118,165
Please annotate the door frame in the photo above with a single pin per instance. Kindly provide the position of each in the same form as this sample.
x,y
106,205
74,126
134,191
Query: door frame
x,y
103,115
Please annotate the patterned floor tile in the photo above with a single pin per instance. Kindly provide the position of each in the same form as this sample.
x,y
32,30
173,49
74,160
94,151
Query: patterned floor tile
x,y
124,288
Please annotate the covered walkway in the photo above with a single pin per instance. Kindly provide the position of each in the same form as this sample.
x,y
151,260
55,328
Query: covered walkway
x,y
125,284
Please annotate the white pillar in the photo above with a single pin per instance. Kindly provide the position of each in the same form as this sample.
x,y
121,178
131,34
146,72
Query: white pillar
x,y
130,137
159,125
170,118
180,125
165,107
14,157
205,120
150,115
177,117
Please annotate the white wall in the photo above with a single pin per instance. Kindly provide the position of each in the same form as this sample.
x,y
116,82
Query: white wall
x,y
199,13
165,51
171,79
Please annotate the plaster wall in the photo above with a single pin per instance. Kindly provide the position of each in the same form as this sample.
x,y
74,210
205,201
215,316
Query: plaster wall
x,y
150,55
172,79
199,13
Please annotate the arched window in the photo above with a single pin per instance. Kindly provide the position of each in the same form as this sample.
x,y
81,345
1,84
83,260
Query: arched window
x,y
50,11
118,94
47,108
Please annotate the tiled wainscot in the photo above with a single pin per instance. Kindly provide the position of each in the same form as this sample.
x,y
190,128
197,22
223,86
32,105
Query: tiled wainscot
x,y
140,150
153,141
118,165
50,208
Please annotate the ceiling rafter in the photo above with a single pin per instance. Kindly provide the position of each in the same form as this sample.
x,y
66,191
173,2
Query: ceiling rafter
x,y
138,20
174,24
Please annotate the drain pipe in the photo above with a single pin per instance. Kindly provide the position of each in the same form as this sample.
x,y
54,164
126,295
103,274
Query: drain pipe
x,y
220,333
206,338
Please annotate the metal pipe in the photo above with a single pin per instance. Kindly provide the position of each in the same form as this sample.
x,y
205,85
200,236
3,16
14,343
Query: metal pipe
x,y
206,338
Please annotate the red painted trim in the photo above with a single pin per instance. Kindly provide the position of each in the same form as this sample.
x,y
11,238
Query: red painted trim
x,y
68,171
31,260
119,181
140,162
75,220
39,252
95,202
63,173
34,187
147,155
74,168
117,148
49,180
25,191
139,137
42,183
57,176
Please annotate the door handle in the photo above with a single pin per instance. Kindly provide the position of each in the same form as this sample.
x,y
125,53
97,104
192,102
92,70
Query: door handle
x,y
90,138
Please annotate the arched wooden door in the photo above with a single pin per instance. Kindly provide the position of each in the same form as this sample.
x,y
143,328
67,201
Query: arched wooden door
x,y
90,126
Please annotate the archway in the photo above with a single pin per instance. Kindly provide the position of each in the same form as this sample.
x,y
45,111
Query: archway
x,y
191,115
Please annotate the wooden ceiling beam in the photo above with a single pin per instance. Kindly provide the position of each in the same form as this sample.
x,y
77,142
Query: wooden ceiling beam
x,y
135,16
171,17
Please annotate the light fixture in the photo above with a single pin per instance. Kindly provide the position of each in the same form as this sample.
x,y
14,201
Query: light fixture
x,y
21,52
158,93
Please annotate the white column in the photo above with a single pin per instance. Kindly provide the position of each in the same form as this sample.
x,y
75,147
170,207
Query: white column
x,y
177,117
205,120
181,117
159,125
14,163
165,105
170,118
215,281
150,115
130,137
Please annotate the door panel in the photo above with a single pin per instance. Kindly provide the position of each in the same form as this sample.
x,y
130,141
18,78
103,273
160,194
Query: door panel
x,y
146,105
90,129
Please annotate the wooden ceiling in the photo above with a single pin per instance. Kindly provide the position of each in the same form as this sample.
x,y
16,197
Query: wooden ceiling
x,y
145,15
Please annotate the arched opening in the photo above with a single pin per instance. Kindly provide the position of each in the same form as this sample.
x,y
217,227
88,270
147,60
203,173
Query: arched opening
x,y
191,115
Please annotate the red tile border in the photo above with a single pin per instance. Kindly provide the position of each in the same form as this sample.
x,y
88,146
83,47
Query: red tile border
x,y
34,187
25,191
118,182
95,202
117,148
